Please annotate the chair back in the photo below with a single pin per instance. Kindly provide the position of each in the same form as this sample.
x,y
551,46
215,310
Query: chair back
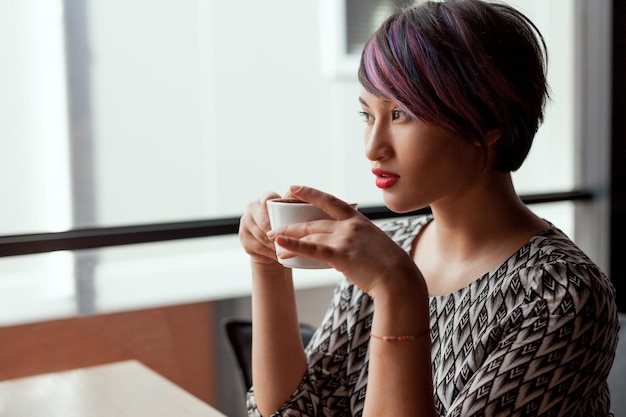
x,y
239,336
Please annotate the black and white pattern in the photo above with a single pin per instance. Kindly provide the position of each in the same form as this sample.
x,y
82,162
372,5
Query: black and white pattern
x,y
534,337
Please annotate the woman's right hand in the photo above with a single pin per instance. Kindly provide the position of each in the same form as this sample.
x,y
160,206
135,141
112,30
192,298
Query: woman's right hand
x,y
253,228
278,359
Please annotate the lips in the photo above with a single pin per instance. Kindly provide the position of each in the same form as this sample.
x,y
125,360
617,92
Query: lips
x,y
384,179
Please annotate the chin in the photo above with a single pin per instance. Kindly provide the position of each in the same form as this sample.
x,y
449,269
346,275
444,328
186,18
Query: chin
x,y
398,205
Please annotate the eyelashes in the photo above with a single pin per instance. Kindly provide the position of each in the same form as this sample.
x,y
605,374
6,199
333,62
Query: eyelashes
x,y
365,116
396,114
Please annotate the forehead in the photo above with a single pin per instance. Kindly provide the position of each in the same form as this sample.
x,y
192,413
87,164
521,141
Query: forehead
x,y
368,99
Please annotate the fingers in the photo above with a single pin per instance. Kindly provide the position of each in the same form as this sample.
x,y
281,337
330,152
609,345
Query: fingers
x,y
257,237
312,237
256,247
253,228
259,211
290,246
303,229
336,208
300,236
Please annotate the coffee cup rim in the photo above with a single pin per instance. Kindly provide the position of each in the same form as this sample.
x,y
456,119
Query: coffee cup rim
x,y
290,200
283,200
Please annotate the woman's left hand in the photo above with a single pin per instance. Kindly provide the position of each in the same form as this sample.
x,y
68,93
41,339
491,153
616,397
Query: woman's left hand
x,y
349,242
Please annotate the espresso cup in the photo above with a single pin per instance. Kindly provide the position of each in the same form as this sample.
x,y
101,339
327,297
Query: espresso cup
x,y
284,211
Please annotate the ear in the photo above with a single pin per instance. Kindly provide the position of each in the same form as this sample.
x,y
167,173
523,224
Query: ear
x,y
492,136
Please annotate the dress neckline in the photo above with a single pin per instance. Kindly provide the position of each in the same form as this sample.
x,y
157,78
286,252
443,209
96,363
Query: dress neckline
x,y
426,219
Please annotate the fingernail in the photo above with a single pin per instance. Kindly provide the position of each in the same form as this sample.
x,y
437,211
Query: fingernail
x,y
295,188
271,235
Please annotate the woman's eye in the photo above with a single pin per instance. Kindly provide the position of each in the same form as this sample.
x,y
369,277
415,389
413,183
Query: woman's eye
x,y
397,114
366,116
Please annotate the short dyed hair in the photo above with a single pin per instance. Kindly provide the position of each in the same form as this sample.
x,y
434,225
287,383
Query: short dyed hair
x,y
468,66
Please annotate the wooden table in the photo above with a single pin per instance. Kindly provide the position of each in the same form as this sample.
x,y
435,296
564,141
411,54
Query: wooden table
x,y
119,389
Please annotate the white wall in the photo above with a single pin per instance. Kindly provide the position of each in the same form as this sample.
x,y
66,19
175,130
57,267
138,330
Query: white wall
x,y
33,132
34,169
212,103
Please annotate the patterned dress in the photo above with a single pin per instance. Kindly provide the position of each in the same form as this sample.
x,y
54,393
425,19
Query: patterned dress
x,y
533,337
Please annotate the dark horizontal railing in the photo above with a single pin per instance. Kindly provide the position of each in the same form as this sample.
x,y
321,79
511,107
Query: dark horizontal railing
x,y
89,238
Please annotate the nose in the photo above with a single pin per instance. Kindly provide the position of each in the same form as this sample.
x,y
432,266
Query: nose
x,y
377,145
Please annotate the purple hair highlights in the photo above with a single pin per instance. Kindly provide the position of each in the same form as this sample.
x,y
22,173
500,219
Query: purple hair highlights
x,y
466,65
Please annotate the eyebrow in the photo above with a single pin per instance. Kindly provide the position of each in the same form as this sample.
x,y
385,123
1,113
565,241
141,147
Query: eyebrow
x,y
383,99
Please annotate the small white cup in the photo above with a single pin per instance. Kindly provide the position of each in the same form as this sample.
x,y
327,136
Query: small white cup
x,y
284,211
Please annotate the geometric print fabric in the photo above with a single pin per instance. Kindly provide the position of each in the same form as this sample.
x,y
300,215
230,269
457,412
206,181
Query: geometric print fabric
x,y
533,337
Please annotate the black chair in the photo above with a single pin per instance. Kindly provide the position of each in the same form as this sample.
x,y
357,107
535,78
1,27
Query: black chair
x,y
239,336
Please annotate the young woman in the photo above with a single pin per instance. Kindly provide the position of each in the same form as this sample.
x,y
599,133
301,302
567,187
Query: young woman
x,y
480,309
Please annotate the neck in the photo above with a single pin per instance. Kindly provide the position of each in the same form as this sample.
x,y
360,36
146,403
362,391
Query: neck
x,y
482,218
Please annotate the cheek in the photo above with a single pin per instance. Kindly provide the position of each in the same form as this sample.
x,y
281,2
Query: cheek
x,y
422,158
464,164
444,166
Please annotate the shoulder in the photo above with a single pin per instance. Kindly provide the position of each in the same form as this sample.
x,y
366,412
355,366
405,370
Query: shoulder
x,y
558,271
553,250
554,246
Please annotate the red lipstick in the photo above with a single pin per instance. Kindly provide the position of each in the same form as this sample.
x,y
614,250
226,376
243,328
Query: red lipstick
x,y
385,179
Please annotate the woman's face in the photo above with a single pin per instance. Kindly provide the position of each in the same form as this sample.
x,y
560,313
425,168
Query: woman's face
x,y
415,163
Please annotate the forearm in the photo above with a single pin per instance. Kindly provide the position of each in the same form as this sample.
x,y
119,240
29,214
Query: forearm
x,y
278,360
400,370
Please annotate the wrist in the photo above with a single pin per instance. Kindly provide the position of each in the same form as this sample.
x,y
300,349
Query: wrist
x,y
264,266
270,272
400,285
401,305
